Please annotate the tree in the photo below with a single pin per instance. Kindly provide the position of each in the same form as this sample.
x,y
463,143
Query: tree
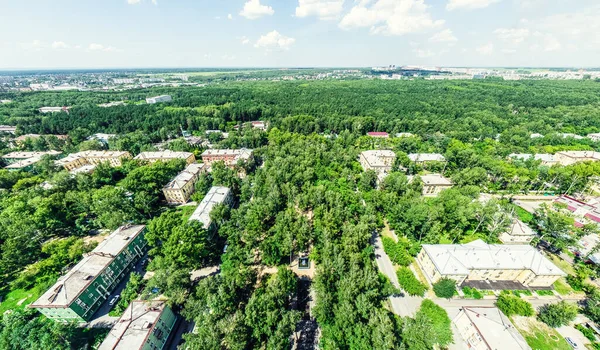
x,y
430,327
512,305
445,288
559,314
409,283
368,180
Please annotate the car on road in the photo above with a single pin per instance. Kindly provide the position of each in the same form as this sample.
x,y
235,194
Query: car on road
x,y
571,342
114,300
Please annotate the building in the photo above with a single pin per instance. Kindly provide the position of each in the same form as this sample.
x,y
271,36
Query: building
x,y
378,134
8,129
143,325
487,328
583,212
217,195
423,158
111,104
165,156
479,261
54,109
159,99
536,136
380,161
517,233
572,157
259,124
229,156
102,138
179,190
404,134
546,159
433,184
76,160
25,160
77,295
575,136
594,137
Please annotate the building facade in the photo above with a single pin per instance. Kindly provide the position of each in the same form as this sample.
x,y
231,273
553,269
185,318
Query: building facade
x,y
77,160
215,196
165,156
229,156
572,157
380,161
76,296
179,190
158,99
145,325
433,184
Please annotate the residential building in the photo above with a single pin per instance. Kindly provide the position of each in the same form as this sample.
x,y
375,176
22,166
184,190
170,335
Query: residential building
x,y
546,159
111,104
77,295
594,137
76,160
54,109
179,190
479,261
7,128
575,136
21,139
404,134
25,160
103,138
378,134
423,158
572,157
159,99
517,233
165,156
229,156
143,325
259,124
583,212
433,184
487,328
215,196
380,161
536,136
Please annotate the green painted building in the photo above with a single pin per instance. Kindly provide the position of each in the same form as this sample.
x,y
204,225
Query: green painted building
x,y
145,325
77,295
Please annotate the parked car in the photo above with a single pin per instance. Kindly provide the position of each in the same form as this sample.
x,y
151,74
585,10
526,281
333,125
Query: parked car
x,y
571,342
114,300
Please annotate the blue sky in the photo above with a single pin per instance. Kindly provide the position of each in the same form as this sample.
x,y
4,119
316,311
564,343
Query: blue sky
x,y
283,33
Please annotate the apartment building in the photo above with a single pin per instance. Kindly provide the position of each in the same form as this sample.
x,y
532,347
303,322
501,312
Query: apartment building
x,y
423,158
380,161
143,325
546,159
572,157
229,156
159,99
479,261
25,160
433,184
179,190
165,156
217,195
77,160
77,295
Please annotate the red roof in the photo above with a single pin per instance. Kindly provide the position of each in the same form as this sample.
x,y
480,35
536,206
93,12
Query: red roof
x,y
578,224
592,217
377,133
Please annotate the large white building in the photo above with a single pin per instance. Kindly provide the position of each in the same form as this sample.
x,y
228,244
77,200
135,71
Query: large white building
x,y
572,157
380,161
158,99
479,261
433,184
217,195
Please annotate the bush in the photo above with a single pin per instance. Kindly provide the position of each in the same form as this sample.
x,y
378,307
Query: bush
x,y
588,333
445,288
576,282
512,305
472,293
559,314
398,252
544,292
129,293
409,283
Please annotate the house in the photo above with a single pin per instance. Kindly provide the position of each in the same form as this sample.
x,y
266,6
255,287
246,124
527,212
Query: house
x,y
572,157
8,129
54,109
77,295
546,159
517,233
479,261
76,160
229,156
165,156
433,184
159,99
380,161
215,196
404,134
423,158
487,328
378,134
179,190
594,137
143,325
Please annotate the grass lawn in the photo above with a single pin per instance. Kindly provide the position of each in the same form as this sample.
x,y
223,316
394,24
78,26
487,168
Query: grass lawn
x,y
562,287
19,298
565,266
538,335
187,211
386,232
420,274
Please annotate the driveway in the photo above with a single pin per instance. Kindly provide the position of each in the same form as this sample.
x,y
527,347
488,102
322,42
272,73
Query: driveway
x,y
574,334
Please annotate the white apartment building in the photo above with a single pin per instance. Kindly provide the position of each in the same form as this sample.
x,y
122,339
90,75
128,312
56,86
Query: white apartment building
x,y
159,99
380,161
179,190
433,184
546,159
217,195
572,157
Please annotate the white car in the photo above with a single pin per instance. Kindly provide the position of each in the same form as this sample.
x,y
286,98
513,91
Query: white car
x,y
114,300
571,342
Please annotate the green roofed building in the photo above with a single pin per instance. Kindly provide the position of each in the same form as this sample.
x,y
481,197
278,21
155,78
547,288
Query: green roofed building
x,y
78,294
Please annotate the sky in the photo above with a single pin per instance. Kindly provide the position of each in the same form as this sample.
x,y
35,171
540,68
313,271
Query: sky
x,y
298,33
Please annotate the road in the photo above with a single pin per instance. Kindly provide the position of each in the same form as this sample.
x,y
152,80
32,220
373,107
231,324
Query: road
x,y
401,305
458,303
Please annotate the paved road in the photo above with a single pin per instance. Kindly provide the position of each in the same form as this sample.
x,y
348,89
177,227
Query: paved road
x,y
458,303
401,305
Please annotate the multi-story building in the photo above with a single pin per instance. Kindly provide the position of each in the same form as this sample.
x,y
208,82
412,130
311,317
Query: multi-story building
x,y
433,184
77,160
546,159
422,158
380,161
478,261
158,99
378,134
145,325
77,295
217,195
518,233
572,157
594,137
179,190
8,129
25,160
54,109
229,156
165,156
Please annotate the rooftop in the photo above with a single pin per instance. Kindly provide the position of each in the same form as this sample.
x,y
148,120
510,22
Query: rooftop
x,y
580,154
69,286
378,158
163,155
377,133
547,158
518,232
25,155
23,163
426,157
459,259
242,153
185,176
134,326
216,195
436,180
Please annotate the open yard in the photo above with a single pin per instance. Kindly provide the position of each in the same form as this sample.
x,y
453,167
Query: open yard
x,y
19,298
538,335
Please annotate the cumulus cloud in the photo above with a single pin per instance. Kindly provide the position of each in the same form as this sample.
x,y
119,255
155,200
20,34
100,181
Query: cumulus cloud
x,y
513,35
486,49
391,17
57,45
253,10
324,9
274,41
445,36
469,4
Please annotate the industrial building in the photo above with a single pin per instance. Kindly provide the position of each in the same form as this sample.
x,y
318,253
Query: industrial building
x,y
229,156
422,158
77,160
158,99
479,261
77,295
143,325
179,190
217,195
165,156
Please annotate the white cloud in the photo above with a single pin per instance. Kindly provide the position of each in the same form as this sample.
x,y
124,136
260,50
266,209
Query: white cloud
x,y
253,10
229,17
445,36
217,17
423,53
244,40
486,49
155,2
391,17
100,47
469,4
324,9
134,2
57,45
545,42
513,35
273,41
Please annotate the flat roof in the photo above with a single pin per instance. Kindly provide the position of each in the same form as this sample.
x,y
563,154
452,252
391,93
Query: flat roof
x,y
69,286
580,154
135,325
436,180
23,163
239,154
163,155
426,157
185,176
103,154
25,155
376,158
460,259
88,168
215,196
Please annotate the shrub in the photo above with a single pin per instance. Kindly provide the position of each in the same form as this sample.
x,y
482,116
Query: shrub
x,y
445,288
575,282
588,333
512,305
472,293
398,252
544,292
559,314
409,283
